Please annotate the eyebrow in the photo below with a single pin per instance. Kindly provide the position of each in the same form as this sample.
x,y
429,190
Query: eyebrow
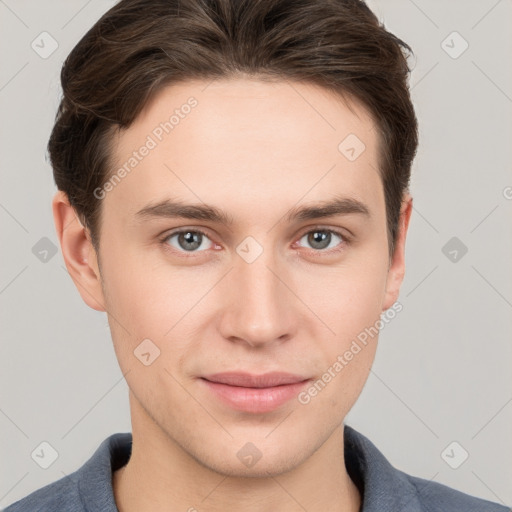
x,y
171,208
336,206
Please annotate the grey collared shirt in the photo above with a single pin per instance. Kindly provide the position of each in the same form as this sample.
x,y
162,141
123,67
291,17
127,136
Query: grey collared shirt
x,y
383,488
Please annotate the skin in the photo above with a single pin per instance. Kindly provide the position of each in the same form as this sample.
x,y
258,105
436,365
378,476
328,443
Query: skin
x,y
255,150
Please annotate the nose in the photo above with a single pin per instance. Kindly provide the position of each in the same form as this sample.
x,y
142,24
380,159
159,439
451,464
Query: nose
x,y
259,307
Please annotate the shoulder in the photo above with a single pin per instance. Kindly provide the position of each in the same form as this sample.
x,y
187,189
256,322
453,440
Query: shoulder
x,y
60,495
436,497
386,488
88,488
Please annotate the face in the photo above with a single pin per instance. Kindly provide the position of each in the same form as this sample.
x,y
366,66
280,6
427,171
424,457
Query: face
x,y
244,282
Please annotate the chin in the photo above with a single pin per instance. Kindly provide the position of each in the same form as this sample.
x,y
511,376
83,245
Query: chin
x,y
253,456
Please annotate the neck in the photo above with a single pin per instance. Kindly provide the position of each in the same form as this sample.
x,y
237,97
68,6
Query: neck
x,y
162,476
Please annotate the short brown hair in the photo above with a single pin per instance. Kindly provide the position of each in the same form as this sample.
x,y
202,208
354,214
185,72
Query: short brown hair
x,y
140,46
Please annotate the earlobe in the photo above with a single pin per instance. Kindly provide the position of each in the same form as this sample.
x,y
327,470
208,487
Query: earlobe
x,y
396,271
78,252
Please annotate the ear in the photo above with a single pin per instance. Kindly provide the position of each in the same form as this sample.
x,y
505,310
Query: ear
x,y
78,252
396,269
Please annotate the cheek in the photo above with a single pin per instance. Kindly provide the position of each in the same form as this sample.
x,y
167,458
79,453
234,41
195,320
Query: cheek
x,y
347,296
138,289
348,300
148,298
132,300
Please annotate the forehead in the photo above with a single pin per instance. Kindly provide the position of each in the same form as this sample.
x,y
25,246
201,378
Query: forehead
x,y
241,141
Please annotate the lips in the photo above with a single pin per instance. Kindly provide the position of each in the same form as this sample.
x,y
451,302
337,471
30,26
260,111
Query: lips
x,y
256,394
248,380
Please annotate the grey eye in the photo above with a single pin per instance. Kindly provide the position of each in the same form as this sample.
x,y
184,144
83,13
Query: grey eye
x,y
188,240
321,239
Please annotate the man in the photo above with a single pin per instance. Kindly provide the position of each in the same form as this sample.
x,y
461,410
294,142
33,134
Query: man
x,y
233,192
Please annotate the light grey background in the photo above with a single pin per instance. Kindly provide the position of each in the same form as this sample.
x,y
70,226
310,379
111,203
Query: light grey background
x,y
442,371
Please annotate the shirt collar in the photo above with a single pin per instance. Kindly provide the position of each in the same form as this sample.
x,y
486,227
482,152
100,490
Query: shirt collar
x,y
382,487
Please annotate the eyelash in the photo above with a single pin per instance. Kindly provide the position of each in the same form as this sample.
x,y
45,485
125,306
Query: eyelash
x,y
345,240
